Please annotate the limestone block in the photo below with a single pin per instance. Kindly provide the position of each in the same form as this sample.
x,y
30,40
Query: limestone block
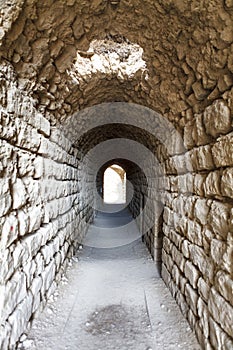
x,y
6,268
185,183
19,194
32,243
42,124
201,210
53,287
178,204
219,218
217,118
212,184
218,338
176,238
208,235
227,183
191,298
38,164
227,261
49,250
188,135
189,203
15,292
199,92
198,186
182,284
199,135
36,215
188,162
224,284
168,217
65,59
25,165
180,224
46,148
51,210
178,258
194,232
51,168
5,331
202,261
204,158
222,151
176,274
39,263
167,245
19,318
5,196
20,256
191,273
218,249
225,82
9,231
78,29
48,276
29,269
167,260
221,311
203,289
203,313
23,222
36,286
7,158
7,127
27,137
33,190
57,259
185,248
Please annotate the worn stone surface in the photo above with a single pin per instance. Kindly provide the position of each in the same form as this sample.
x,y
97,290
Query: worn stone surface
x,y
58,58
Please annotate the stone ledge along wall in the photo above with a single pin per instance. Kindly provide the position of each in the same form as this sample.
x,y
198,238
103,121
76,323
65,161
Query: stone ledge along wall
x,y
42,210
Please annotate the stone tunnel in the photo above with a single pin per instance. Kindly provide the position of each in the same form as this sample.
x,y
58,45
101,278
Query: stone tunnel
x,y
145,85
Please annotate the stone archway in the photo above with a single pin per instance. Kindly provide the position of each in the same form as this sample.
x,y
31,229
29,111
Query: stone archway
x,y
185,75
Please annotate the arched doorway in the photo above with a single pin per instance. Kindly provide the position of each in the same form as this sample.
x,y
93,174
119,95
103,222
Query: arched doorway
x,y
114,185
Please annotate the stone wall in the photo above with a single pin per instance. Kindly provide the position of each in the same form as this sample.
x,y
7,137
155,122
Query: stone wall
x,y
43,212
197,247
196,233
147,208
187,78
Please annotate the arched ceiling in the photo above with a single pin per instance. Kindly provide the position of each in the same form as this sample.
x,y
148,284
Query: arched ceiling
x,y
111,131
187,47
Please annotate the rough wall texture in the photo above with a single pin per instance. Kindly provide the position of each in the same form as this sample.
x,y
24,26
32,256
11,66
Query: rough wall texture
x,y
187,77
43,212
197,247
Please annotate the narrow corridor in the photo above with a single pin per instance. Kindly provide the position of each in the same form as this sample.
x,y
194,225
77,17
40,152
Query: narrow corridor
x,y
112,298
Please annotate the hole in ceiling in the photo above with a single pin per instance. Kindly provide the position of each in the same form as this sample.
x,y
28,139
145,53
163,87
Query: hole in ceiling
x,y
115,56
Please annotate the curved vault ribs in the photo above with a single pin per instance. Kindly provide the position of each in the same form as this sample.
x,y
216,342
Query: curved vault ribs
x,y
187,49
126,114
138,155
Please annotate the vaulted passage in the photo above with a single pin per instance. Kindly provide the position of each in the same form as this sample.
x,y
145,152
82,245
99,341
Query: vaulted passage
x,y
87,86
113,296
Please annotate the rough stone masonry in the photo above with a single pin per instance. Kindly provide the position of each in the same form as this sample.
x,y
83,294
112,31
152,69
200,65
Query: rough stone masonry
x,y
46,190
